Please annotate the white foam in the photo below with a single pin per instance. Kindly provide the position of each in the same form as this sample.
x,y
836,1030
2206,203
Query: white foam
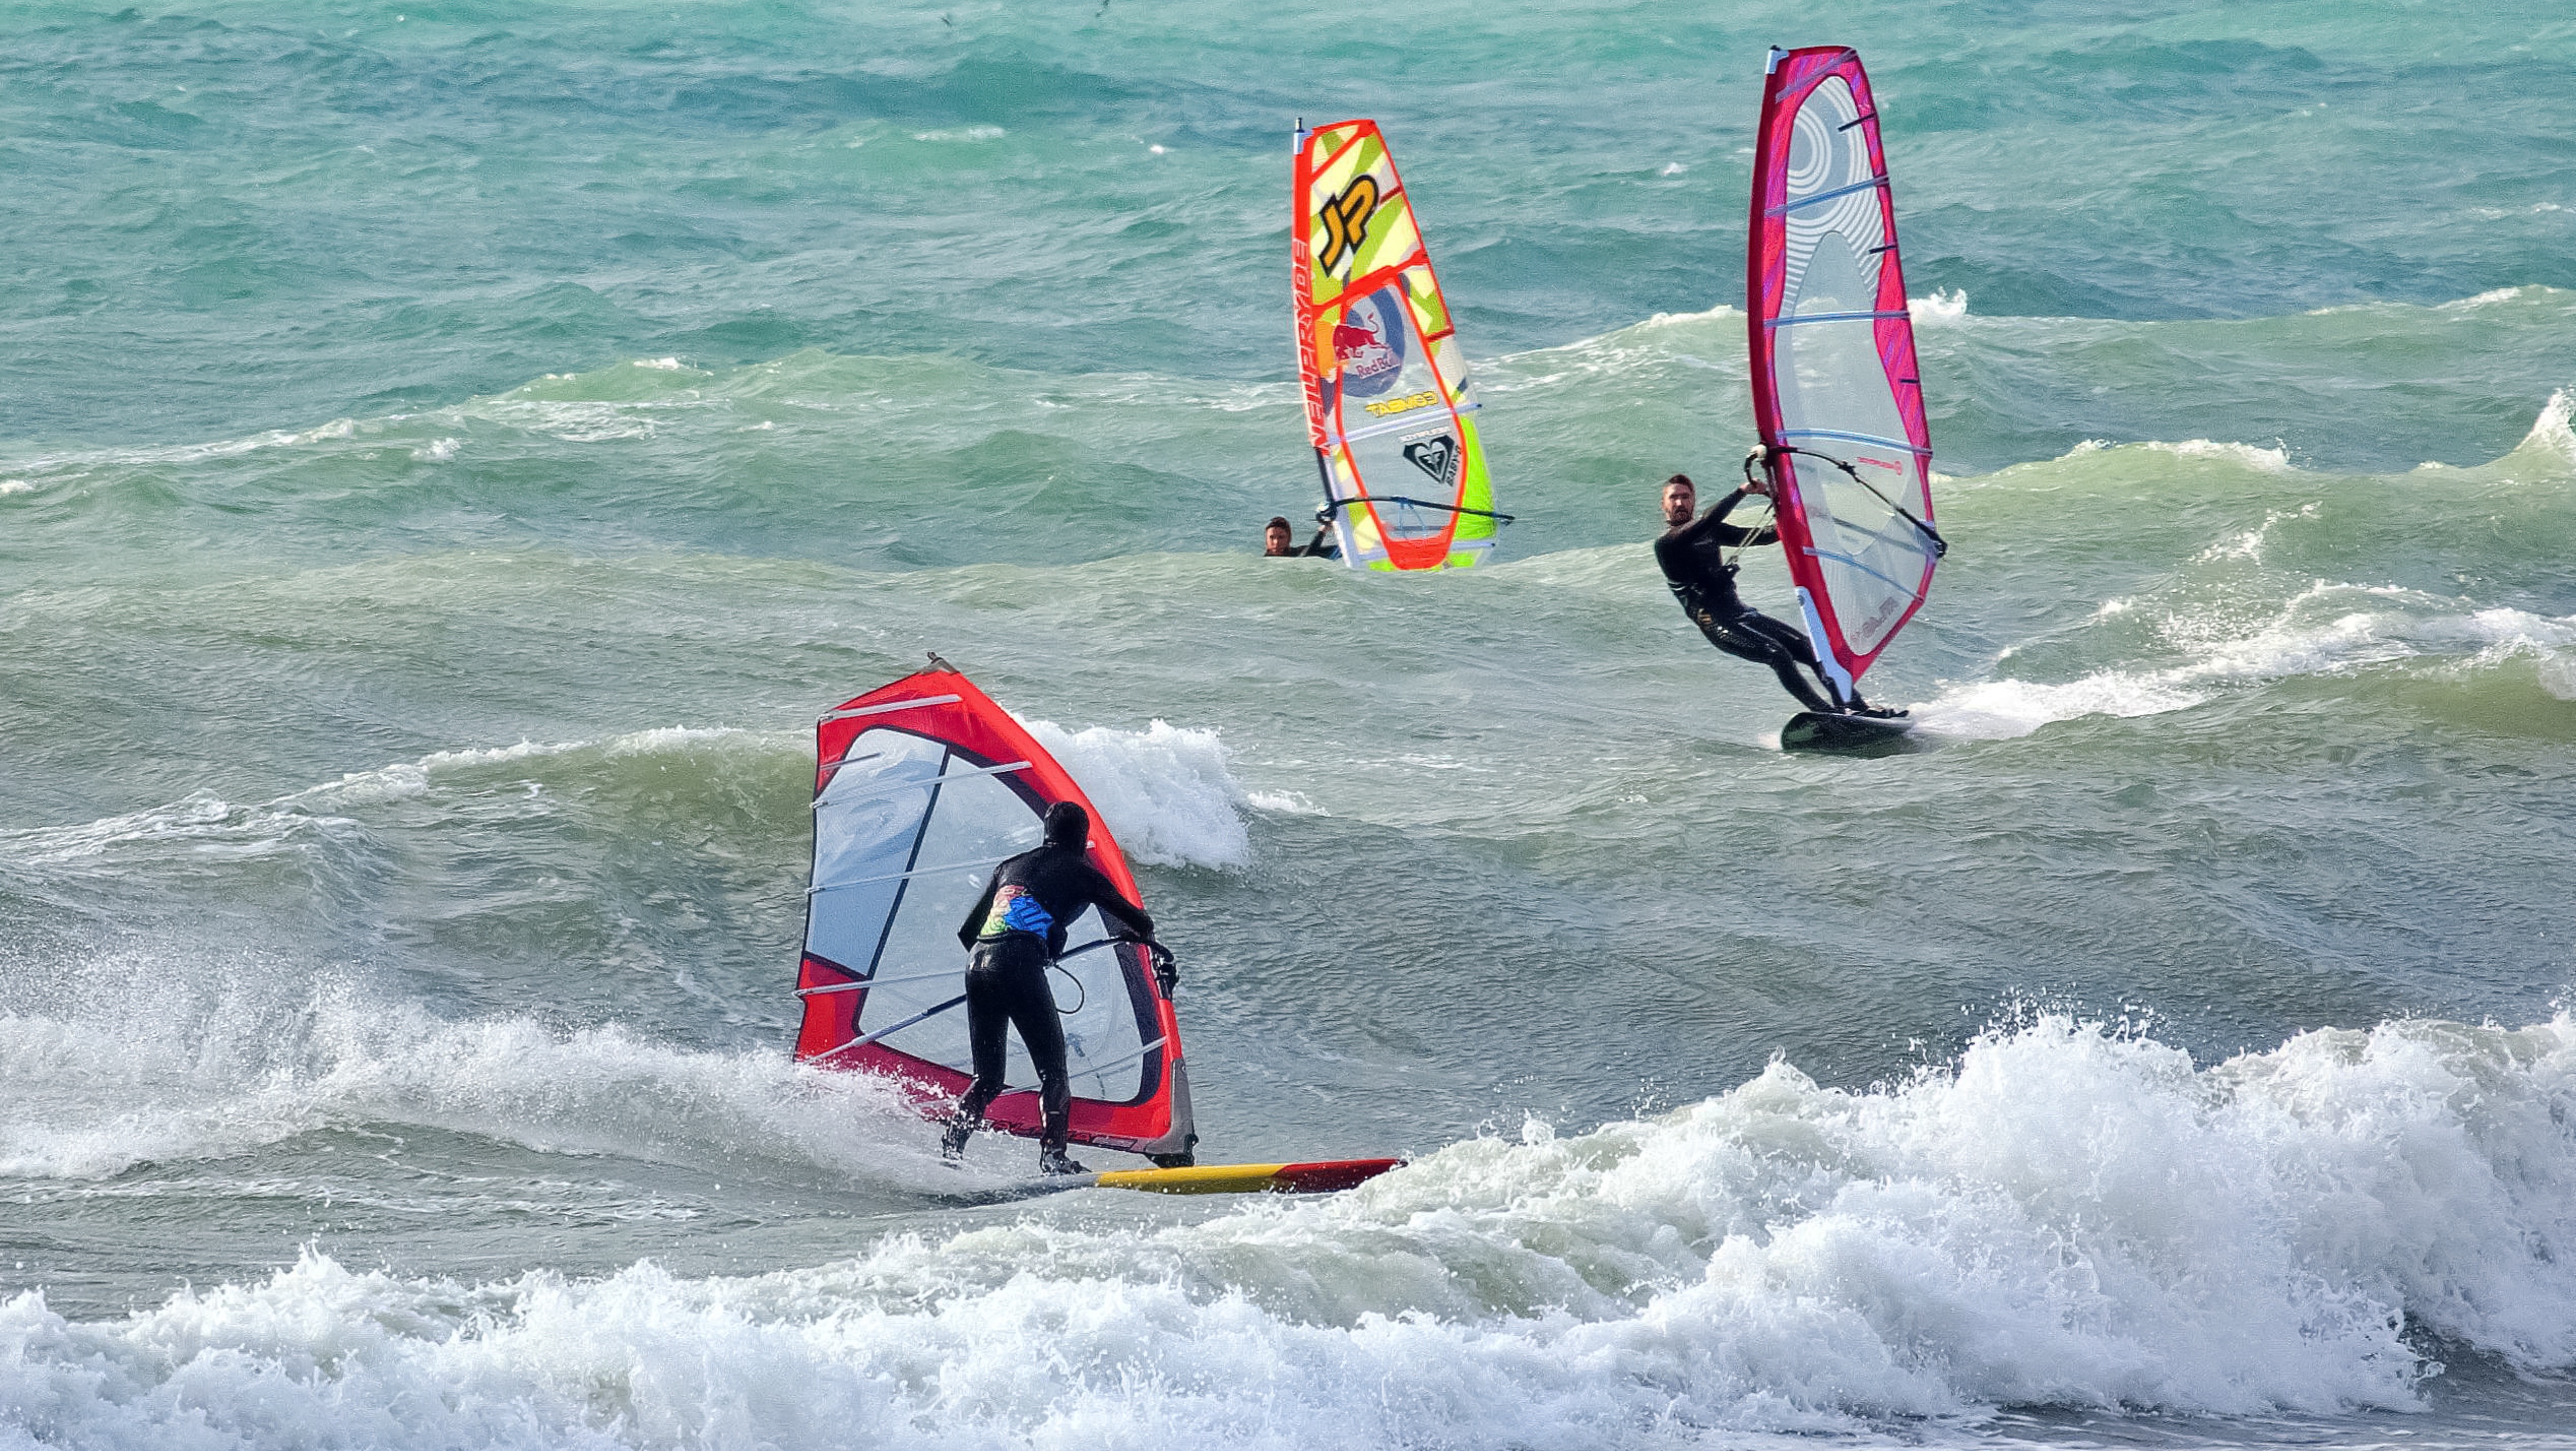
x,y
1623,353
571,421
2488,298
2066,1216
2315,632
2551,429
2001,709
963,133
1286,803
221,1068
1166,792
2264,460
201,823
208,825
2558,675
1939,307
2249,545
82,462
1722,312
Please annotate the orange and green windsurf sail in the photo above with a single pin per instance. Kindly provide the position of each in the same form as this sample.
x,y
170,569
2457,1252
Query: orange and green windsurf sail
x,y
1389,407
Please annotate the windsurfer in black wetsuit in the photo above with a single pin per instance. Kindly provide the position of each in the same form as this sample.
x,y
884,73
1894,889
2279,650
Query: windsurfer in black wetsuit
x,y
1278,542
1015,931
1695,566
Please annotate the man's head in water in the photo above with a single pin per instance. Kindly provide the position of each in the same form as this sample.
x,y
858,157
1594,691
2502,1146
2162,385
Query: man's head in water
x,y
1681,500
1067,824
1276,540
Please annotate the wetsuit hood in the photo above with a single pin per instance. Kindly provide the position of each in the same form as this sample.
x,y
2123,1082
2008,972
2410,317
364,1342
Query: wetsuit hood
x,y
1067,824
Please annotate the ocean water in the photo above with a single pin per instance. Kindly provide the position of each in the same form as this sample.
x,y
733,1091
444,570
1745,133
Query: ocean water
x,y
450,452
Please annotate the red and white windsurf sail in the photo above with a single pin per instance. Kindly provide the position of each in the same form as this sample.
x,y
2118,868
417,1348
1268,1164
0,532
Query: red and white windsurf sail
x,y
921,788
1836,391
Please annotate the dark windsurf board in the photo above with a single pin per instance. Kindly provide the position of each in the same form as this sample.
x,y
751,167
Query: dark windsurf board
x,y
1811,731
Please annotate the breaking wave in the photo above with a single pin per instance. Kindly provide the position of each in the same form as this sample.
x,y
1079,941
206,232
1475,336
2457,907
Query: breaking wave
x,y
2066,1216
1166,791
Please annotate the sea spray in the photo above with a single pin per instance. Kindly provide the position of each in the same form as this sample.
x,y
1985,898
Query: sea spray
x,y
1165,791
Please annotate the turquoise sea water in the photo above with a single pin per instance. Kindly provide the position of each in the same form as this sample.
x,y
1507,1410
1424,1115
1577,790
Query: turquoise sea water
x,y
449,453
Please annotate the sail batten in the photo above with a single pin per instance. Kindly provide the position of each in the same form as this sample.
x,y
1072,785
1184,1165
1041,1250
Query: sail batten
x,y
1836,389
1375,337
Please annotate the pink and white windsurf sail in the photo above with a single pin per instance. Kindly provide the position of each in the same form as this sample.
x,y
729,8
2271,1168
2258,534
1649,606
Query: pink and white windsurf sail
x,y
1836,391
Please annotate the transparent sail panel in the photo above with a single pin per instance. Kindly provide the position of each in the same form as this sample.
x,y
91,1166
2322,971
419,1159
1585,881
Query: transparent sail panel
x,y
907,833
975,823
1101,1038
1827,151
867,823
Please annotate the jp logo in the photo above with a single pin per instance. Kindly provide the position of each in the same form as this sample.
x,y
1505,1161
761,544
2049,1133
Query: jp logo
x,y
1368,344
1434,456
1345,220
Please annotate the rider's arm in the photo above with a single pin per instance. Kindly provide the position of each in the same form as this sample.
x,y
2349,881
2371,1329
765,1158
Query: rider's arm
x,y
1117,908
1713,525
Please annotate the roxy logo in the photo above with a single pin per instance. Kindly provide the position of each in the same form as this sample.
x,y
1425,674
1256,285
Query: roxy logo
x,y
1345,220
1433,456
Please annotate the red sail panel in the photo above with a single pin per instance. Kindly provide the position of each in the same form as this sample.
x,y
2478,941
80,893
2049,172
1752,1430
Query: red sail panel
x,y
921,788
1836,390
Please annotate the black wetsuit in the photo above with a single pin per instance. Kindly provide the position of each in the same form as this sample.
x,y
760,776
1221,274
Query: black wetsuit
x,y
1319,547
1016,929
1695,566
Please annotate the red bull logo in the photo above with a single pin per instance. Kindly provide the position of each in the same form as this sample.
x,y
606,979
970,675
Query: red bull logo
x,y
1368,344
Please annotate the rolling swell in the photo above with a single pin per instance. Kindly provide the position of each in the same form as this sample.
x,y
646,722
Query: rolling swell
x,y
815,454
